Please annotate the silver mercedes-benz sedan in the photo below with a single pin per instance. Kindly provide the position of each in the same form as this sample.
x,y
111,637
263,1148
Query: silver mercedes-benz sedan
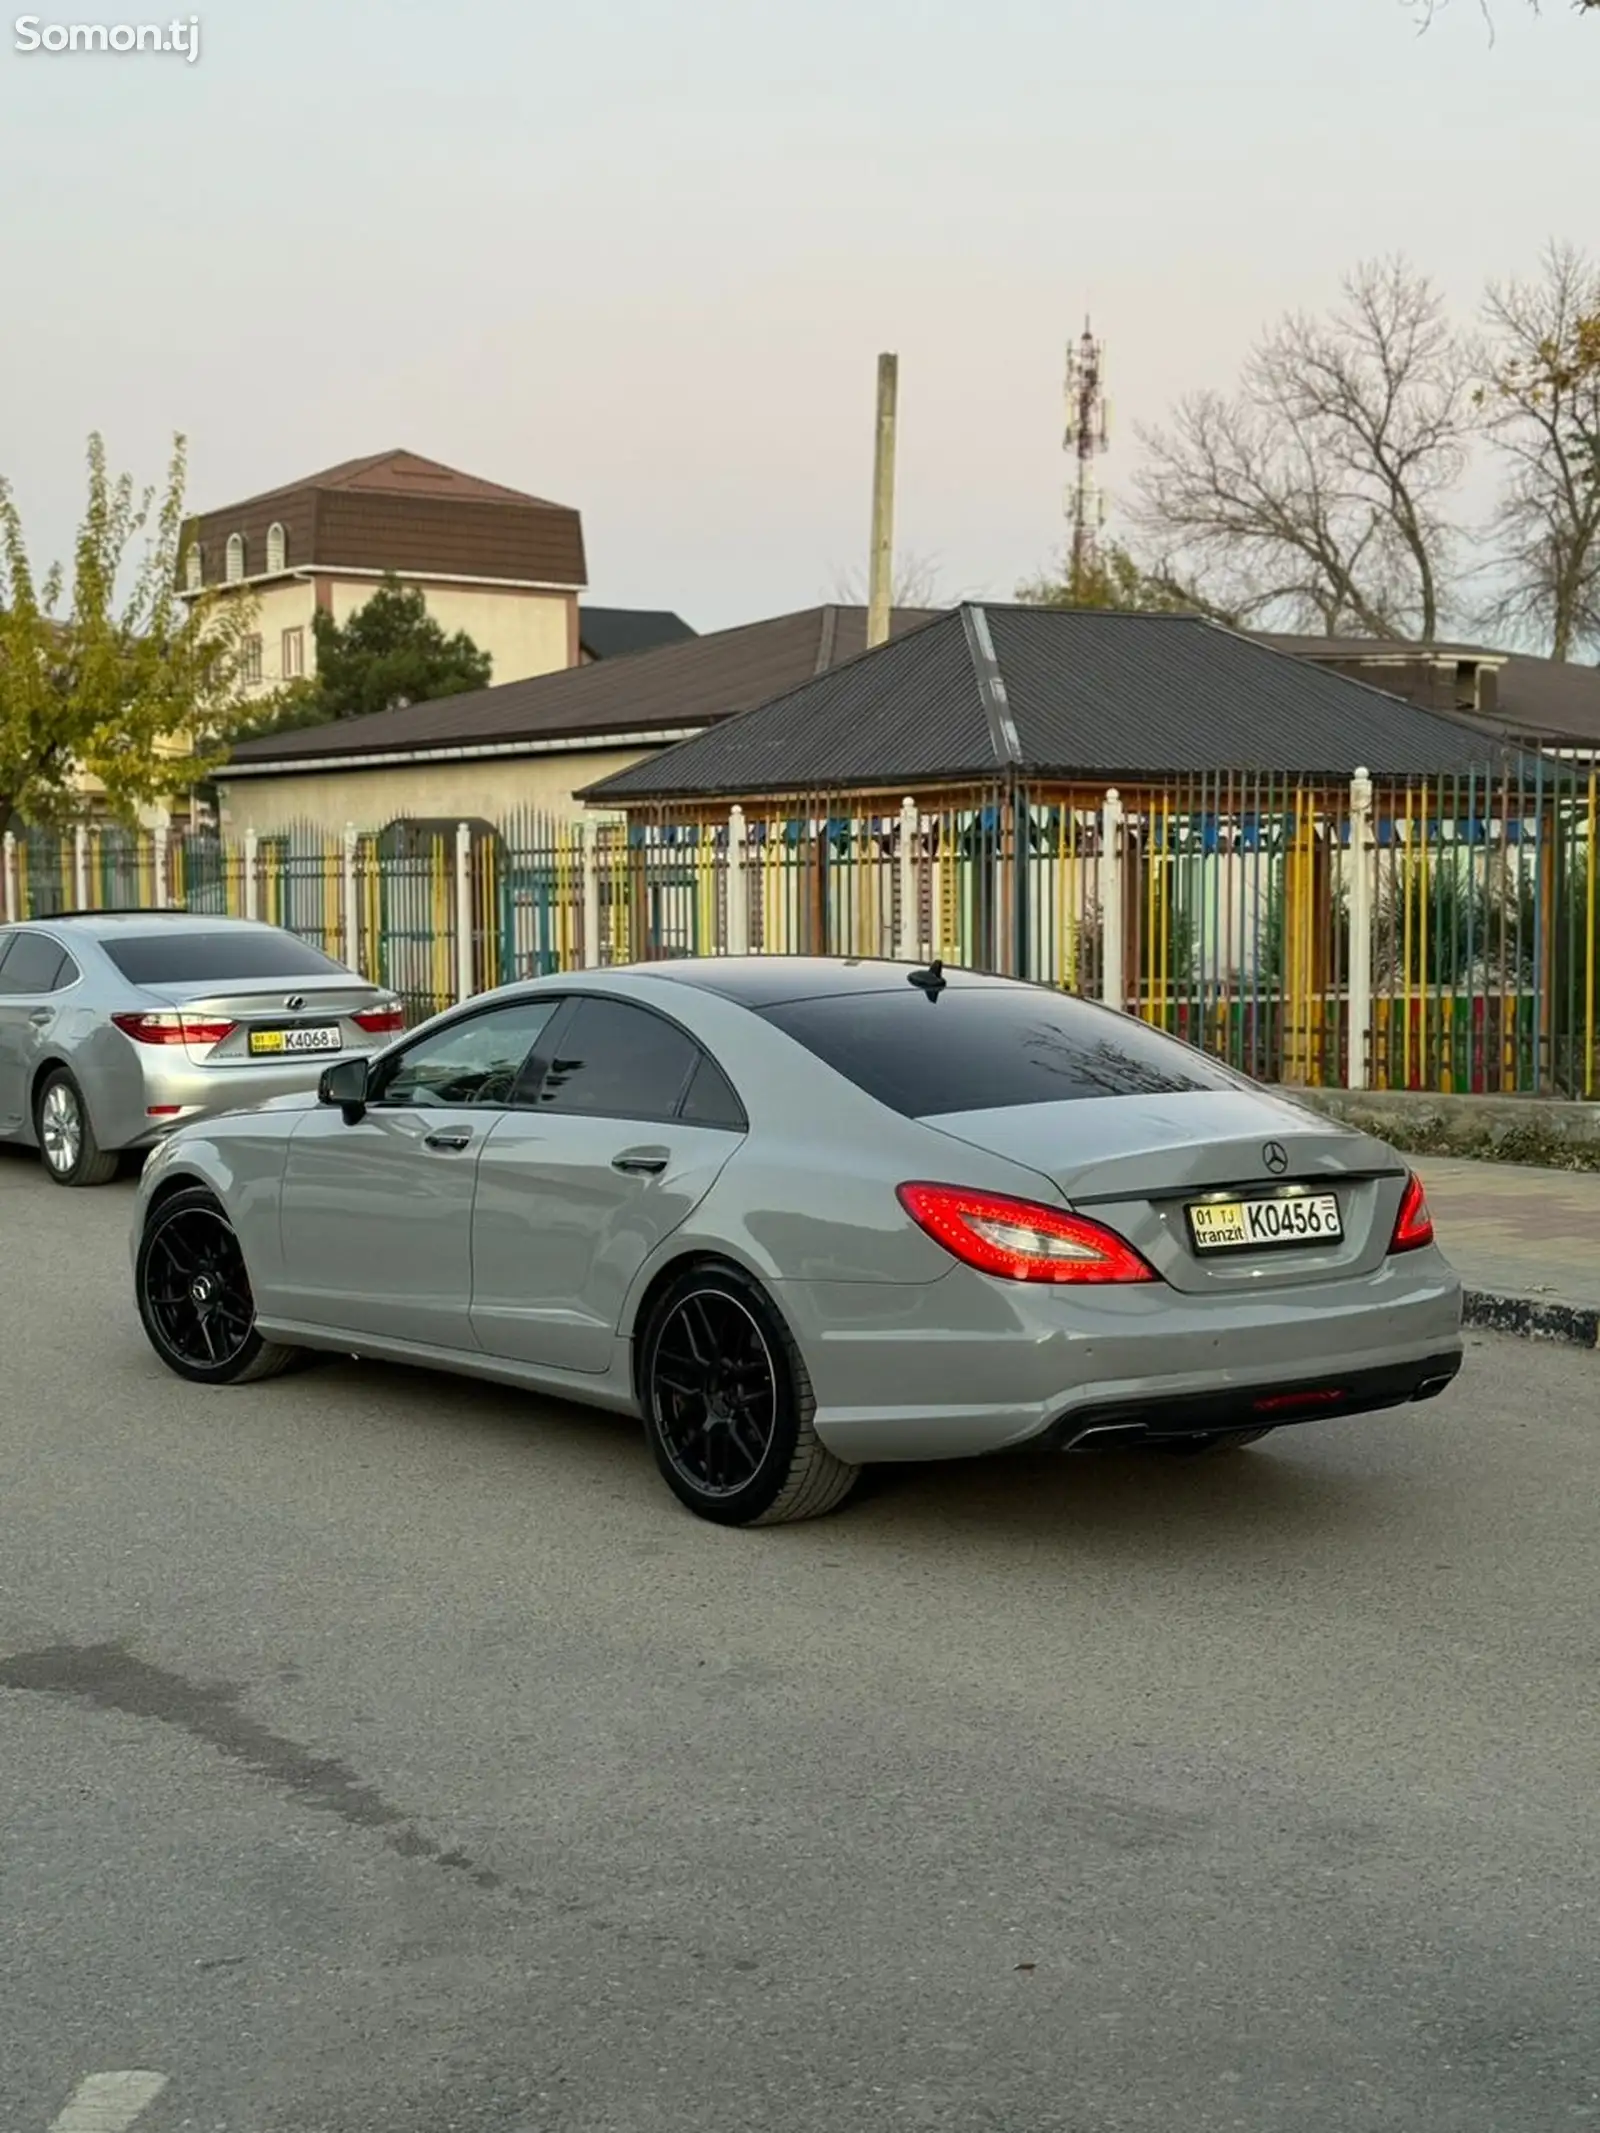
x,y
803,1215
117,1027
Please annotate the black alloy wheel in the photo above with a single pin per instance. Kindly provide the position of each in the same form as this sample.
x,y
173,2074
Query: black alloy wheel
x,y
728,1406
194,1295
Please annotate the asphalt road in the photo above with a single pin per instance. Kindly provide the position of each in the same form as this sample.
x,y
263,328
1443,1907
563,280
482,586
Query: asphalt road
x,y
384,1755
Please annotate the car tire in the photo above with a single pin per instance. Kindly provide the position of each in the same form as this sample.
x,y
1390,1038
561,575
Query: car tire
x,y
189,1245
62,1128
728,1406
1223,1440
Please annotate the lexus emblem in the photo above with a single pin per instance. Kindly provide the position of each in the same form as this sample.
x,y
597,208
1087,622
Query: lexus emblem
x,y
1276,1158
295,1002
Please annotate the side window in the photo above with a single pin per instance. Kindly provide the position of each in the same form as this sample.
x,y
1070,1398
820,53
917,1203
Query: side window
x,y
475,1061
617,1061
710,1101
33,965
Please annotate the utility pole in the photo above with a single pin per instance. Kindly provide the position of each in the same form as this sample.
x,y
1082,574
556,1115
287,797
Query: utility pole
x,y
880,578
1088,435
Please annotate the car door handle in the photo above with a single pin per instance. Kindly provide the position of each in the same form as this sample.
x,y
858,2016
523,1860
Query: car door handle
x,y
449,1137
645,1162
42,1017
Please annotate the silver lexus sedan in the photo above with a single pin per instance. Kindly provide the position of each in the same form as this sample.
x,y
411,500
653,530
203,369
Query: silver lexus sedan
x,y
117,1027
802,1215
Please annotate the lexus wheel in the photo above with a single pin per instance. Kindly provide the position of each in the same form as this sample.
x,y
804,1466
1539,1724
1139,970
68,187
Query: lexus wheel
x,y
194,1295
728,1406
72,1155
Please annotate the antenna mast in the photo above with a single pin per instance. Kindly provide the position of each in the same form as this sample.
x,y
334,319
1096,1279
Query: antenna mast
x,y
1088,435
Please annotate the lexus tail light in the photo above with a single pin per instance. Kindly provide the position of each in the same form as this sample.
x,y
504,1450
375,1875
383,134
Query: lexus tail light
x,y
200,1030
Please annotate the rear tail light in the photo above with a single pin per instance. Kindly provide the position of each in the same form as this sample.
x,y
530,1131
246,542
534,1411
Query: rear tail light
x,y
174,1029
1020,1240
1413,1226
384,1021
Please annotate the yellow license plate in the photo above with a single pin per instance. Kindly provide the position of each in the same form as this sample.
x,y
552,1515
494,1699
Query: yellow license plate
x,y
266,1040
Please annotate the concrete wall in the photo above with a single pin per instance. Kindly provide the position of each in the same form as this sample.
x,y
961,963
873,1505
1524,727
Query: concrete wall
x,y
1512,1129
524,633
455,791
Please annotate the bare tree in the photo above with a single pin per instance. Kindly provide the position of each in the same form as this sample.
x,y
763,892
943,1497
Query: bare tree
x,y
915,583
1425,10
1317,494
1541,364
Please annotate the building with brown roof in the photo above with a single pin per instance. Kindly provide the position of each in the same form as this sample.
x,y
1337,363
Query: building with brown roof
x,y
533,743
505,567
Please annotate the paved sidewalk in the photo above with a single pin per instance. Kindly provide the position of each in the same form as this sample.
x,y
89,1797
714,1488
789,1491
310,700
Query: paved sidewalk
x,y
1526,1243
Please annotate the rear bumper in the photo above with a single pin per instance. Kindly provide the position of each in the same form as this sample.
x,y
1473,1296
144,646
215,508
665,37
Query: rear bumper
x,y
967,1365
164,1090
1168,1421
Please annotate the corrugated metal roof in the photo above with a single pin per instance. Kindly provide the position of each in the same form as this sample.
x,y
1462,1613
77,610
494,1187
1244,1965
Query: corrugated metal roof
x,y
619,632
691,683
1090,693
911,711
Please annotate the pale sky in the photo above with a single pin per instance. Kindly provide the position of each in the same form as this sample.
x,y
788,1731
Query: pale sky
x,y
641,257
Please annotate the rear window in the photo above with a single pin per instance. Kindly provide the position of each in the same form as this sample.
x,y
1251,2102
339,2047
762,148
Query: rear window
x,y
216,958
981,1048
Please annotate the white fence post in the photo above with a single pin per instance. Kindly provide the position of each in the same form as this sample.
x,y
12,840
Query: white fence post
x,y
738,934
252,854
589,835
10,884
351,900
464,958
80,867
160,866
1112,855
909,946
1363,849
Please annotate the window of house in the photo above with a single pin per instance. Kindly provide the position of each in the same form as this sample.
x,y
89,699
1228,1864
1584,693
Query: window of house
x,y
194,567
250,662
277,547
294,654
235,569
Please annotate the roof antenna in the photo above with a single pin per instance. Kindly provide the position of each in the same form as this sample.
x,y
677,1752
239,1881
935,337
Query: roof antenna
x,y
931,981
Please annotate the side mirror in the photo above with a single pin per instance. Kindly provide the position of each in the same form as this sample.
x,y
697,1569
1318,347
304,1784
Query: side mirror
x,y
346,1084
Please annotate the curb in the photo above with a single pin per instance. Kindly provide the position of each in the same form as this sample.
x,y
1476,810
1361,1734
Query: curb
x,y
1530,1318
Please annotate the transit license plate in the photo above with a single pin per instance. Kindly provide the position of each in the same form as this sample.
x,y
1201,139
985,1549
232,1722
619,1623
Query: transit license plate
x,y
274,1043
1251,1225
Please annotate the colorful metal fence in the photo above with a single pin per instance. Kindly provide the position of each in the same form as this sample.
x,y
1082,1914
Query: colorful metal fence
x,y
1433,936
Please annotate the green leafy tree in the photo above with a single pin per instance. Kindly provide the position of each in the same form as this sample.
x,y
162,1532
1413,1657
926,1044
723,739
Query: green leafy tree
x,y
389,654
1113,577
132,688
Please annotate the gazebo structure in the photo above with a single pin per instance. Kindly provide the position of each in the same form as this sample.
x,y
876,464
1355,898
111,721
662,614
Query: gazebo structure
x,y
1314,879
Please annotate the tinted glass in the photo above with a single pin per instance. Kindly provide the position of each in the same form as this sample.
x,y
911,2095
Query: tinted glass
x,y
615,1061
33,964
216,958
471,1062
710,1100
986,1048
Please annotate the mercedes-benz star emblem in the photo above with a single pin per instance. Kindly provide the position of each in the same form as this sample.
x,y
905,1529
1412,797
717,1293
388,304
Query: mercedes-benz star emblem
x,y
295,1002
1276,1158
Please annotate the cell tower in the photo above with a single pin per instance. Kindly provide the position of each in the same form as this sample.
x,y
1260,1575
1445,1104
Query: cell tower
x,y
1088,435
